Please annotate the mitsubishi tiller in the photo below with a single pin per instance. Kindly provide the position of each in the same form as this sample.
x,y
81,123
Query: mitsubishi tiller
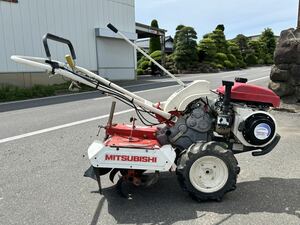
x,y
192,135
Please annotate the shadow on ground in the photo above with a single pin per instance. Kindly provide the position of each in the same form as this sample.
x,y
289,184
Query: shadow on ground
x,y
165,203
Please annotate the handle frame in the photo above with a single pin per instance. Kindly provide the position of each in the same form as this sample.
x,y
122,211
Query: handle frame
x,y
53,37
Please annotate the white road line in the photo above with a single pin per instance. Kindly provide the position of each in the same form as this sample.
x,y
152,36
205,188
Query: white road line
x,y
86,120
61,126
261,78
239,74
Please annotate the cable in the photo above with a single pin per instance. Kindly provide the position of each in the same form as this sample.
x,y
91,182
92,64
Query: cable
x,y
119,96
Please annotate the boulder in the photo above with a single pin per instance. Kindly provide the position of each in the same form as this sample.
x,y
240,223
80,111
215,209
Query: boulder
x,y
295,73
278,74
285,75
286,52
283,66
282,88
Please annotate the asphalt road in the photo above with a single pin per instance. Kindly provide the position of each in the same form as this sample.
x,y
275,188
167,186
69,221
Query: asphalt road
x,y
43,147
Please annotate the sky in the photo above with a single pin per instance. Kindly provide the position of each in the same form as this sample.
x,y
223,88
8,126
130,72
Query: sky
x,y
239,16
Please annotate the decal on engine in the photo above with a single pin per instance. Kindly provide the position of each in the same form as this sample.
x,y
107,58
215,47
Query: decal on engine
x,y
262,131
127,158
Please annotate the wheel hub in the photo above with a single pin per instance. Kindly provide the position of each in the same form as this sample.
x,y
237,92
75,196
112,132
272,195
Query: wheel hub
x,y
208,174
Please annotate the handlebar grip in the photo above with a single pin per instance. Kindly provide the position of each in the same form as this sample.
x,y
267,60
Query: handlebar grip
x,y
110,26
58,39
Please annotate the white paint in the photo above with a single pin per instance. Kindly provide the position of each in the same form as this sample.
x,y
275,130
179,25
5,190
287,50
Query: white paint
x,y
262,78
164,155
61,127
239,75
181,98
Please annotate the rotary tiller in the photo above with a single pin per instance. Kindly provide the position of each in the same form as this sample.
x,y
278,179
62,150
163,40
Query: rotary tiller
x,y
193,135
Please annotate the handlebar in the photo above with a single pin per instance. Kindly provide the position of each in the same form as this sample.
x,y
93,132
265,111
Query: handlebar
x,y
58,39
112,28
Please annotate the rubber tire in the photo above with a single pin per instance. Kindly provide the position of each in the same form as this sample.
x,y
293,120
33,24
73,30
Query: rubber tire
x,y
201,149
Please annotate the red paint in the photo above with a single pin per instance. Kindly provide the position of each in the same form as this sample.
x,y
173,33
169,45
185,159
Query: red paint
x,y
132,142
252,93
129,158
126,130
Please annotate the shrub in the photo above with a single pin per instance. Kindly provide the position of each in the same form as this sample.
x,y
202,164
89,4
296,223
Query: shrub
x,y
228,64
141,60
260,62
11,93
221,57
144,65
156,55
232,59
251,59
241,64
220,66
234,49
213,65
140,71
269,59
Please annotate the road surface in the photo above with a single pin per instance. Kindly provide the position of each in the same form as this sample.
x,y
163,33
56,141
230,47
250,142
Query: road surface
x,y
43,147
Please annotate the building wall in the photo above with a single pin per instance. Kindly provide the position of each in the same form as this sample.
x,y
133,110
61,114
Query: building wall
x,y
23,24
112,49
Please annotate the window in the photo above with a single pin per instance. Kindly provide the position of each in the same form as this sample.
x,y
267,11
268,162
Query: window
x,y
12,1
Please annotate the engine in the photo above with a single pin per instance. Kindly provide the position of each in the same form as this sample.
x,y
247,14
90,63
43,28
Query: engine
x,y
195,125
253,127
232,121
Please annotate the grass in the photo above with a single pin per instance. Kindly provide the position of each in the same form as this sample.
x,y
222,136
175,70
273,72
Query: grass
x,y
13,93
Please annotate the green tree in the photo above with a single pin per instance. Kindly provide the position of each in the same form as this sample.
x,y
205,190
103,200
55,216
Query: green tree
x,y
235,50
268,38
242,41
154,41
258,48
219,38
251,59
207,49
186,48
178,29
220,27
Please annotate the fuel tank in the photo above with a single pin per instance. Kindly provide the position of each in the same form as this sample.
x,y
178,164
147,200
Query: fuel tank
x,y
251,93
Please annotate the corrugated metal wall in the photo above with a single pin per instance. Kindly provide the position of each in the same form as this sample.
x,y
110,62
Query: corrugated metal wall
x,y
23,24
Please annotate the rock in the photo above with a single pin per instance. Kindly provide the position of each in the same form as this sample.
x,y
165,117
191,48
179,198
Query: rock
x,y
297,92
289,99
287,34
279,74
282,88
295,73
286,52
283,66
285,75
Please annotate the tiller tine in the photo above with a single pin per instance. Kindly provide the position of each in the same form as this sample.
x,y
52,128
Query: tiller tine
x,y
113,174
95,173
